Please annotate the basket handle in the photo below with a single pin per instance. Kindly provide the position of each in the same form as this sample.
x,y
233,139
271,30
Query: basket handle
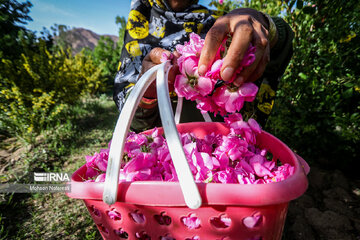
x,y
120,132
188,186
186,179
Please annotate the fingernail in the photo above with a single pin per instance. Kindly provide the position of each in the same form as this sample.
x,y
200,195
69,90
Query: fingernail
x,y
239,81
202,70
227,74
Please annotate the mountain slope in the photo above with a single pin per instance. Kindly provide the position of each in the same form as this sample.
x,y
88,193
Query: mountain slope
x,y
78,38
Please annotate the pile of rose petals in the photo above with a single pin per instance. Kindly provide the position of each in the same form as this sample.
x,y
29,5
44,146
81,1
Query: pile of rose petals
x,y
233,158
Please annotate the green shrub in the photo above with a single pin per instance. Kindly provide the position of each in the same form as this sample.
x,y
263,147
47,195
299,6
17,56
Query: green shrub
x,y
35,88
106,55
318,104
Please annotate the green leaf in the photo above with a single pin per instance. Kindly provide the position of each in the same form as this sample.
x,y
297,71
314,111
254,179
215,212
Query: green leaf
x,y
348,93
303,76
349,84
354,116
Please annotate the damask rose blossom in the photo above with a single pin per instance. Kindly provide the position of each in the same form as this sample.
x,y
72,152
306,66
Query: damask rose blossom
x,y
191,48
191,87
214,71
232,98
189,84
207,104
225,99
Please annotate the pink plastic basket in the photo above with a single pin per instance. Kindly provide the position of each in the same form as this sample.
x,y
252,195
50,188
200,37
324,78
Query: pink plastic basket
x,y
156,210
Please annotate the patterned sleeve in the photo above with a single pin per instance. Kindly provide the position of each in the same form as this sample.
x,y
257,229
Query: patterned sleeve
x,y
134,50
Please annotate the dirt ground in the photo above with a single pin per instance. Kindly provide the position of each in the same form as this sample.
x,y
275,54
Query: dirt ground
x,y
330,208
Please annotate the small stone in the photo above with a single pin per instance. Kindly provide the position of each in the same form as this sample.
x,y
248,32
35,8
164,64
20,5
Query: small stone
x,y
356,191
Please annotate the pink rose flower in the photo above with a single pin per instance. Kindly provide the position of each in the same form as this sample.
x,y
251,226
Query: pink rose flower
x,y
189,84
193,47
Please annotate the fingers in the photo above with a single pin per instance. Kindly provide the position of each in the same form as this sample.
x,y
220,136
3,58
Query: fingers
x,y
246,26
253,72
213,40
150,60
153,58
262,56
156,54
242,37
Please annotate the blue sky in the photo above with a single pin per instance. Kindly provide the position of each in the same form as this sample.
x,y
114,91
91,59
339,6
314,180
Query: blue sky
x,y
96,15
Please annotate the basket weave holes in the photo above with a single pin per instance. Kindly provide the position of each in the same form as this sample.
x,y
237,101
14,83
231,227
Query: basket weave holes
x,y
142,236
94,211
193,238
121,233
113,214
191,221
137,217
103,229
253,221
221,222
167,237
163,219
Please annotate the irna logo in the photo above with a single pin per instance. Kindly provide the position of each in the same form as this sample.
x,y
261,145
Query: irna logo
x,y
51,177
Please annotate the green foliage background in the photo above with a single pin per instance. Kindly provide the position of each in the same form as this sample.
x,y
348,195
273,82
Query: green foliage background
x,y
317,110
40,79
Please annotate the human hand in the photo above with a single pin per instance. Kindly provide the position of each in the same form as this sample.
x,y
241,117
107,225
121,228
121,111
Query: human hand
x,y
154,58
246,26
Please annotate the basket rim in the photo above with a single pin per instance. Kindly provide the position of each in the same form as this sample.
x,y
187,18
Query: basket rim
x,y
156,193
